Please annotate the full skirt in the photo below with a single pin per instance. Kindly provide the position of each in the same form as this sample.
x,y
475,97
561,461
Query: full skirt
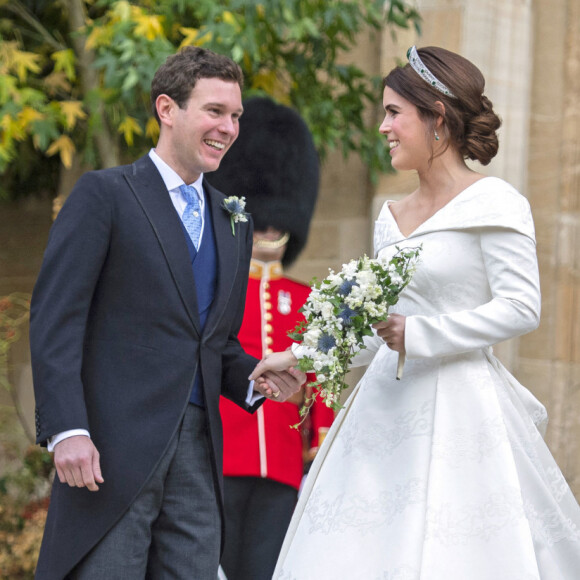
x,y
443,475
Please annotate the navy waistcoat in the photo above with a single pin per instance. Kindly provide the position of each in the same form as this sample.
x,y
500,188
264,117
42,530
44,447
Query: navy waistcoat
x,y
204,264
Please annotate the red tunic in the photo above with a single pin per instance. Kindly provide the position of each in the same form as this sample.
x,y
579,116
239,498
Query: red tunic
x,y
264,444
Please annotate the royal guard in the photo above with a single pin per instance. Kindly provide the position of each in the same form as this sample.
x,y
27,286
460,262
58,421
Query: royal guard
x,y
274,164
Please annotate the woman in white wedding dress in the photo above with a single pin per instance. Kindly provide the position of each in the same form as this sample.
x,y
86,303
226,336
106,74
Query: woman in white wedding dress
x,y
443,475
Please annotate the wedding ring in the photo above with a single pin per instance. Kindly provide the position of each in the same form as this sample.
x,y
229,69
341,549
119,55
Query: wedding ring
x,y
276,394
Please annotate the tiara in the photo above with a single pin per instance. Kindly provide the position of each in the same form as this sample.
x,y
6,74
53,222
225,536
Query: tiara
x,y
418,66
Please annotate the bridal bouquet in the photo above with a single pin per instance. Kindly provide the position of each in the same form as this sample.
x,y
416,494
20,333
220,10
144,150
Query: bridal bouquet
x,y
339,313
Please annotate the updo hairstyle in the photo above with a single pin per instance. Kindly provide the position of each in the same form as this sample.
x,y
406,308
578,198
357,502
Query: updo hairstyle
x,y
470,123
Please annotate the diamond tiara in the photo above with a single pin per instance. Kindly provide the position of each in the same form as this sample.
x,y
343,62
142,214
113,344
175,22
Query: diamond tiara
x,y
418,66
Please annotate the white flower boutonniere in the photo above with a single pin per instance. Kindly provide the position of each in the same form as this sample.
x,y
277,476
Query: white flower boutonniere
x,y
236,207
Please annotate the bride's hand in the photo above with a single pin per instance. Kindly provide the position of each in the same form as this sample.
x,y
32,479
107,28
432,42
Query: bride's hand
x,y
392,331
277,361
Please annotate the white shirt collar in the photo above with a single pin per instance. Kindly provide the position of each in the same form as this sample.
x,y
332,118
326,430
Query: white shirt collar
x,y
173,182
171,178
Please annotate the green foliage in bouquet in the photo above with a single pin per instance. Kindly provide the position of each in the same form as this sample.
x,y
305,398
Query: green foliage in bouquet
x,y
340,311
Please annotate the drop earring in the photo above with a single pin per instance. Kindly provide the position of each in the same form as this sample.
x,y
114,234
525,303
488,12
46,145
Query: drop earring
x,y
436,136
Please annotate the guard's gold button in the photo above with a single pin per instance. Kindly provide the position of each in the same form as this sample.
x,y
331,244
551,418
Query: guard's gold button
x,y
268,328
266,285
269,351
266,295
269,340
267,306
268,316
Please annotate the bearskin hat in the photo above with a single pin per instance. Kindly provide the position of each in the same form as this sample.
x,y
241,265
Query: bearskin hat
x,y
275,166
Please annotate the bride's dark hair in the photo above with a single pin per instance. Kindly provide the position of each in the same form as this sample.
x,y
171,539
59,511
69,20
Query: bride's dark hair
x,y
469,121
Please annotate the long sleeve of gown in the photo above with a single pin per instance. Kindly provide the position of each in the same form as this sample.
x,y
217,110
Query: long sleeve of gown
x,y
514,309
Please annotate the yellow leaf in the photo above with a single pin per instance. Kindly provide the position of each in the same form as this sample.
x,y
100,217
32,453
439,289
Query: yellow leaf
x,y
64,61
130,127
7,51
99,36
122,11
8,88
194,37
12,128
25,62
247,60
265,80
65,147
229,18
55,82
151,27
152,129
72,110
190,35
5,152
28,115
270,82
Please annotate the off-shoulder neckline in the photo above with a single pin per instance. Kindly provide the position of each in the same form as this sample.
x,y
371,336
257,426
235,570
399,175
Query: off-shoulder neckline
x,y
438,212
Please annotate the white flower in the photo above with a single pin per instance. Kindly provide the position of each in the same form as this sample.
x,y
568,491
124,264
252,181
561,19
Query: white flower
x,y
349,270
311,337
235,206
327,310
396,278
366,277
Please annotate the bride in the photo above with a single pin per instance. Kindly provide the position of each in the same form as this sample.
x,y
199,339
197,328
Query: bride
x,y
442,475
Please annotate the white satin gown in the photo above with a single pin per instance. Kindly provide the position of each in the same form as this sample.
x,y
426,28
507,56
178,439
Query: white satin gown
x,y
444,475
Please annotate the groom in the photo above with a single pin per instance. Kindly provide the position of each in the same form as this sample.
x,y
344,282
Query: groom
x,y
134,323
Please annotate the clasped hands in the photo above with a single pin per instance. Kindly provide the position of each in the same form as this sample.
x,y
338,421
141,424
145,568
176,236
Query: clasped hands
x,y
275,377
77,460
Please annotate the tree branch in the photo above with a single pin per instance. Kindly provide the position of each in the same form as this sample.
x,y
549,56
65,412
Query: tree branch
x,y
106,143
23,12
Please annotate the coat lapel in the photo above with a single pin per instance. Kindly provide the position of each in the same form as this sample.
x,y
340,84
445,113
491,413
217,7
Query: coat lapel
x,y
149,189
228,251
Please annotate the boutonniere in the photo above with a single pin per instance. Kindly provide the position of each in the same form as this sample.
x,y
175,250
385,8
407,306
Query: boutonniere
x,y
236,207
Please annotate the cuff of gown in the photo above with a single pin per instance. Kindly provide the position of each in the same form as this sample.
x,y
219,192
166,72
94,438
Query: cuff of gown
x,y
300,351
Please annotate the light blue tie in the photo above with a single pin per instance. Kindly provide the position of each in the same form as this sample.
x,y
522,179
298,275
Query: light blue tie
x,y
192,215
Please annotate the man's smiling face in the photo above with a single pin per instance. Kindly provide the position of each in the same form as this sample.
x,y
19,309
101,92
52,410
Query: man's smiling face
x,y
206,127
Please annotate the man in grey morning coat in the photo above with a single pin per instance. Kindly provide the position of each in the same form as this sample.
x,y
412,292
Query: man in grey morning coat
x,y
134,322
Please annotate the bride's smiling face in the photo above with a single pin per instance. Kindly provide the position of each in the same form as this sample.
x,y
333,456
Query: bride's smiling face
x,y
406,132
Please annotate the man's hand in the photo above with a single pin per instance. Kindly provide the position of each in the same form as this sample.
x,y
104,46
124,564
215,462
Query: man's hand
x,y
77,462
276,378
